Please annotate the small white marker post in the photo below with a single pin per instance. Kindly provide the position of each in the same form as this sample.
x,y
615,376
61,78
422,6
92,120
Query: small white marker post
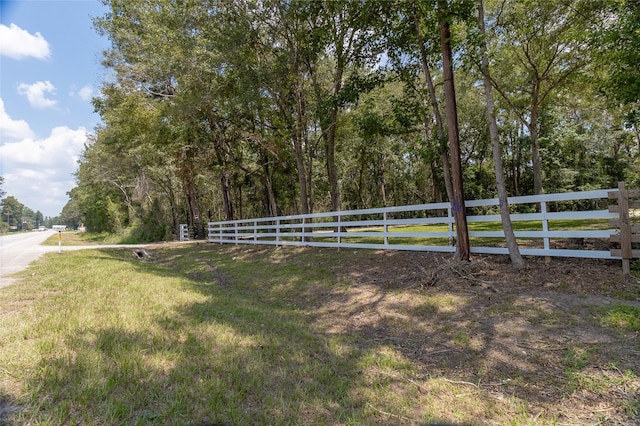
x,y
59,241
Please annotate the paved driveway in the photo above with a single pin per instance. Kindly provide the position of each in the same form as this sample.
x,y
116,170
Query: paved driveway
x,y
17,251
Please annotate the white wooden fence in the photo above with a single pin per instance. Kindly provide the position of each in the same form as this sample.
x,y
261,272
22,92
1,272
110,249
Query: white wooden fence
x,y
407,227
184,232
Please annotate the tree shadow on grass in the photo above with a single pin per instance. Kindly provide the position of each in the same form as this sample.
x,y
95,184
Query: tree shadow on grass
x,y
7,409
257,351
540,350
227,358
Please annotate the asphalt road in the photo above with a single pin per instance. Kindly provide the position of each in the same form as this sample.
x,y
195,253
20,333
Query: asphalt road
x,y
17,251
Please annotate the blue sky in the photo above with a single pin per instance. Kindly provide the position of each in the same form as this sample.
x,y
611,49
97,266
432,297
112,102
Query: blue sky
x,y
49,71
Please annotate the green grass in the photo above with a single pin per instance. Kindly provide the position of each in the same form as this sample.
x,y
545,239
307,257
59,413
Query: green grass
x,y
104,339
74,238
531,225
204,334
621,316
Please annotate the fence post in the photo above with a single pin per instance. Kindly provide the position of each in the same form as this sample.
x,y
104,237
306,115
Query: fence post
x,y
452,239
184,232
235,232
277,232
386,228
255,232
545,229
303,229
339,227
625,228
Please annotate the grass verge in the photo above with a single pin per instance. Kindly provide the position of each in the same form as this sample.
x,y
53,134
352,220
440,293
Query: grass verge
x,y
221,335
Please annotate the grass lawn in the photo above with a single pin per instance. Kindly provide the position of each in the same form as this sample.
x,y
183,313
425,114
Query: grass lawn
x,y
206,334
554,225
74,238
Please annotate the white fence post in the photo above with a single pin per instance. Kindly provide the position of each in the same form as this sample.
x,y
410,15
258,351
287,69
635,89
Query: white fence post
x,y
386,228
545,224
303,229
450,220
255,232
235,232
184,232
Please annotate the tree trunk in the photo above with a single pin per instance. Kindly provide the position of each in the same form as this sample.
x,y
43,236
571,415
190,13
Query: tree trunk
x,y
463,250
302,177
330,150
225,182
535,143
512,245
186,174
270,199
299,154
194,209
428,81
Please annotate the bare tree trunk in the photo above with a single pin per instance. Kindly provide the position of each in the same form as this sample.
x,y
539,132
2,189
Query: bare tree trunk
x,y
428,81
299,154
330,149
383,184
302,177
512,245
225,182
270,199
535,142
463,249
186,174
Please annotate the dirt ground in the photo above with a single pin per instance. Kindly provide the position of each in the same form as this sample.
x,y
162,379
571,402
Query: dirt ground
x,y
534,334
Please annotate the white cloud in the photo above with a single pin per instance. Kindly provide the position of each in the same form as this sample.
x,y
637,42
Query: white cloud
x,y
85,93
40,172
18,43
12,129
62,147
36,93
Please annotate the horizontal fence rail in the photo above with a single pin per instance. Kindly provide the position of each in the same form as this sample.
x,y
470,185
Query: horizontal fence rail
x,y
575,224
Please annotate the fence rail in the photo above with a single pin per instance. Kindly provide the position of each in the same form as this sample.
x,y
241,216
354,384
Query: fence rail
x,y
554,231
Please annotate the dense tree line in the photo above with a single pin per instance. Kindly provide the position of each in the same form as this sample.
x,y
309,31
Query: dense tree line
x,y
15,216
225,109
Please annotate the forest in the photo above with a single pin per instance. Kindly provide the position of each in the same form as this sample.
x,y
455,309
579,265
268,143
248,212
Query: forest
x,y
228,109
15,216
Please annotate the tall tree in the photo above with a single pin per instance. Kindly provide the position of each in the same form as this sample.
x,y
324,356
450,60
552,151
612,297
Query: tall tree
x,y
281,49
463,249
541,45
12,210
345,30
433,100
505,214
618,44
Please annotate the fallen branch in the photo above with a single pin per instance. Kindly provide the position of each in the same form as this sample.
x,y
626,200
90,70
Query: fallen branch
x,y
397,376
461,382
8,372
392,415
533,348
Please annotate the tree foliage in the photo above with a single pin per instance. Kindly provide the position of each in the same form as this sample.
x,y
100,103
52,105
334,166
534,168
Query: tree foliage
x,y
232,109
